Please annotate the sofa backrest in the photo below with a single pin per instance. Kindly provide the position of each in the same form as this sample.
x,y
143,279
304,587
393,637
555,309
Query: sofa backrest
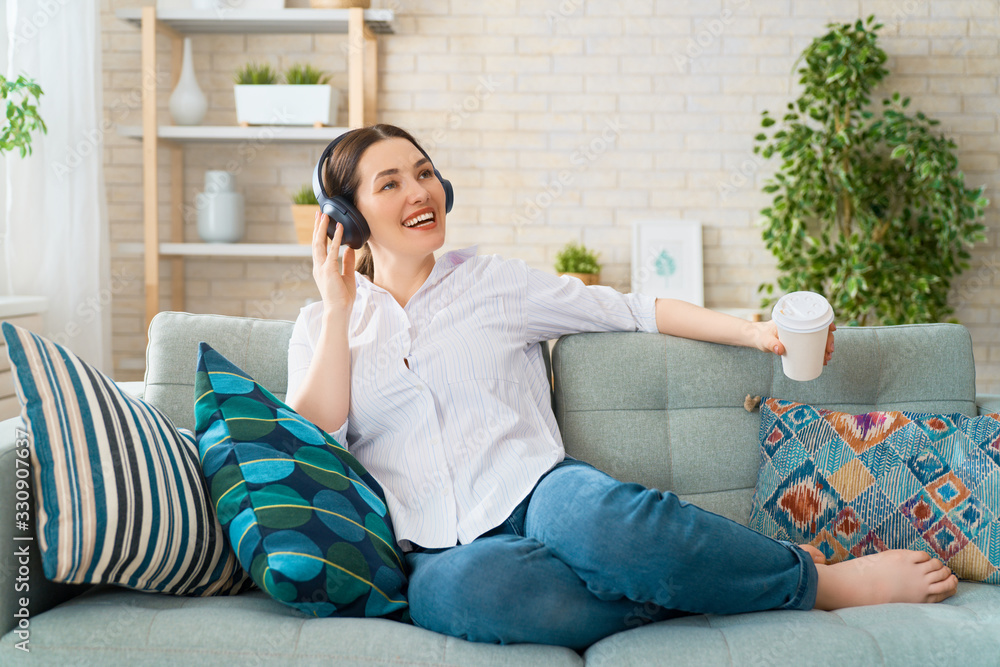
x,y
259,347
669,413
665,412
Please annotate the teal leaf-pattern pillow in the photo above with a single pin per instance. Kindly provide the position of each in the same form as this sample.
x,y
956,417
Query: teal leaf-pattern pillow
x,y
306,520
852,485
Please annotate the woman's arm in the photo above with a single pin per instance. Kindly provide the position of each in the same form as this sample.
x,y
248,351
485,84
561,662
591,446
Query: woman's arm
x,y
679,318
324,396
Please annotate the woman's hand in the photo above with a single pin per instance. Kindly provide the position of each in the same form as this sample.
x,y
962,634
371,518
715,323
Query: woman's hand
x,y
766,339
336,284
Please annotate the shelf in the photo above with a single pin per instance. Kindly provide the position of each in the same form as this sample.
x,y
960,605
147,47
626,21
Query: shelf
x,y
241,21
223,249
236,134
16,306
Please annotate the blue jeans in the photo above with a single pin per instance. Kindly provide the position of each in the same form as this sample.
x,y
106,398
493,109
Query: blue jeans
x,y
585,556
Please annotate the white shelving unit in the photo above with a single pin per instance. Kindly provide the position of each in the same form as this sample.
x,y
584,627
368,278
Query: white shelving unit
x,y
361,27
237,134
245,21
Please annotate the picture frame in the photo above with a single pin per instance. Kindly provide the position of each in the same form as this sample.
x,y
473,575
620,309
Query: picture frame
x,y
667,260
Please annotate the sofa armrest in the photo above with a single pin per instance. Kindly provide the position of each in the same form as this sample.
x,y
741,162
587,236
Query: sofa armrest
x,y
24,590
135,388
987,403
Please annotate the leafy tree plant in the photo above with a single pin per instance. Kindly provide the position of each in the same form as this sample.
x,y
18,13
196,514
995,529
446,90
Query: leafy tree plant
x,y
305,75
574,258
868,209
21,113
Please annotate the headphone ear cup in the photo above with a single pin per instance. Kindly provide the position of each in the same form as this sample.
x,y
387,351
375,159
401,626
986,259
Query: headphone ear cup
x,y
356,231
449,191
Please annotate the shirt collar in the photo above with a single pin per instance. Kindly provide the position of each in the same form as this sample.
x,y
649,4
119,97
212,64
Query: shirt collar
x,y
443,266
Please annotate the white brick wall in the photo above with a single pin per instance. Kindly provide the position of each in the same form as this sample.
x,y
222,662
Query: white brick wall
x,y
509,96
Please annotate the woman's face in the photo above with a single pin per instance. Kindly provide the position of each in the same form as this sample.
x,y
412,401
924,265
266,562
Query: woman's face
x,y
401,198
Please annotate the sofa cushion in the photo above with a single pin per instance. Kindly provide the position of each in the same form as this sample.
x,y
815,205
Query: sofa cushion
x,y
307,521
120,496
260,347
851,485
118,627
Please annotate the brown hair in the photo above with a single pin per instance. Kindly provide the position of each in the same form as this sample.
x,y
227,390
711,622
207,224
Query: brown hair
x,y
341,177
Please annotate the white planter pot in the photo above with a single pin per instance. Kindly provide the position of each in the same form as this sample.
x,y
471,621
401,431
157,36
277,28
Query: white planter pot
x,y
286,104
203,5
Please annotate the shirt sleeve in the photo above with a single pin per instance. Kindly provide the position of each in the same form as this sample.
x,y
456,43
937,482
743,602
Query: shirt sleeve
x,y
301,347
559,305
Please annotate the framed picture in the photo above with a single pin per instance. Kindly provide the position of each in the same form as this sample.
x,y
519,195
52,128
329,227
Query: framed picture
x,y
667,261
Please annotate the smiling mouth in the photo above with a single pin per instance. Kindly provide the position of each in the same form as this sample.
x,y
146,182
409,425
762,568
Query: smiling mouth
x,y
421,220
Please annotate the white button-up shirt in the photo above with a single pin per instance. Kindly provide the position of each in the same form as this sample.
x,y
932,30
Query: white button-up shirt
x,y
450,407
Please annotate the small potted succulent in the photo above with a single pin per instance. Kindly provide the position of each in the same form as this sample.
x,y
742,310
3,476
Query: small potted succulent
x,y
304,208
577,261
307,99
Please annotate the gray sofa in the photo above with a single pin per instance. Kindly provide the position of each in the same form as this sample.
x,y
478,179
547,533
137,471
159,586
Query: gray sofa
x,y
662,411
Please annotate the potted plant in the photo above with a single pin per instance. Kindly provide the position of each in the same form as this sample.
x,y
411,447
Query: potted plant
x,y
869,208
304,208
577,261
21,114
307,100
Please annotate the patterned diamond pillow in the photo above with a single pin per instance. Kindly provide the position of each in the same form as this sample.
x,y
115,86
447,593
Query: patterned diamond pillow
x,y
305,518
852,485
119,492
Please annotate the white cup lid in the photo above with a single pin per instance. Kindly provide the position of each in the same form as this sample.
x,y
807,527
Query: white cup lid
x,y
802,312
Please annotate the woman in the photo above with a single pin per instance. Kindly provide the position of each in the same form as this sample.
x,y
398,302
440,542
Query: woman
x,y
428,370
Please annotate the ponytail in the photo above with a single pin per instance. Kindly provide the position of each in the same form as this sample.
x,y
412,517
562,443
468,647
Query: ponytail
x,y
365,265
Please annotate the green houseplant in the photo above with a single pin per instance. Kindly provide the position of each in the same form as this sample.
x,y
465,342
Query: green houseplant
x,y
21,114
868,208
305,75
253,74
304,208
576,260
307,100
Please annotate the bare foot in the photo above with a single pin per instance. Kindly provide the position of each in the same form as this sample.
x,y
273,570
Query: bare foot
x,y
891,576
815,553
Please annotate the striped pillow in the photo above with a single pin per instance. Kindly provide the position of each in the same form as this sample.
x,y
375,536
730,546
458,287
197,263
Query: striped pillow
x,y
119,491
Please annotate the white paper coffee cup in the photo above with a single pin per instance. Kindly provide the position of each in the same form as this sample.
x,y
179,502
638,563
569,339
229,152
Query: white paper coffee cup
x,y
803,320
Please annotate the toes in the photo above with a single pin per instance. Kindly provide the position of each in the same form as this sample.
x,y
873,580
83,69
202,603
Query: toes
x,y
940,574
943,589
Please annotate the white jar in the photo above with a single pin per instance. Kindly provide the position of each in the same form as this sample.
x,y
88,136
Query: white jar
x,y
220,209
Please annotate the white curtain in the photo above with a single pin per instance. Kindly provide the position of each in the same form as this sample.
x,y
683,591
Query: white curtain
x,y
56,235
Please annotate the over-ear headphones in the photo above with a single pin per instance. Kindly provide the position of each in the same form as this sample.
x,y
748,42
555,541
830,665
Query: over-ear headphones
x,y
341,209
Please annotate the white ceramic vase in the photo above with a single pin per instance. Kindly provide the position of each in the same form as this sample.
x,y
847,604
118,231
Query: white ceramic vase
x,y
220,209
187,103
